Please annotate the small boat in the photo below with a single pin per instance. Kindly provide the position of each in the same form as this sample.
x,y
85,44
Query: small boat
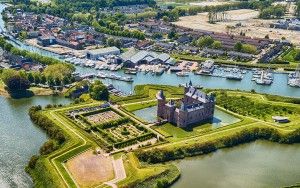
x,y
182,74
130,72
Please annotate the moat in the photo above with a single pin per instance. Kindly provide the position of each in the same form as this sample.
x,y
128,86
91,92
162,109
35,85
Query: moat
x,y
20,138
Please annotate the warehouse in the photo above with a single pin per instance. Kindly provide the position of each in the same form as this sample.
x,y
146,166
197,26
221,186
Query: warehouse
x,y
96,54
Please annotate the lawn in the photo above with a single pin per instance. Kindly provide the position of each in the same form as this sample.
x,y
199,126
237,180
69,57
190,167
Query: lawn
x,y
137,173
290,56
139,106
174,133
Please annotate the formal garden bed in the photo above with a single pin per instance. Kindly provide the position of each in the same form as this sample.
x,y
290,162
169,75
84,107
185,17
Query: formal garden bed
x,y
111,128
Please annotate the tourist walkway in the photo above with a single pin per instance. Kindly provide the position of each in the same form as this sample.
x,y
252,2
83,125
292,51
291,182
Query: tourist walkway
x,y
120,173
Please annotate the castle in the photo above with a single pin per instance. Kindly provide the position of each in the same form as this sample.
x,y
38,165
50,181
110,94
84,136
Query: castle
x,y
195,107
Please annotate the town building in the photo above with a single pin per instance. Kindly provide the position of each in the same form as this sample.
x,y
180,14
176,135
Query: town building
x,y
195,107
133,58
96,54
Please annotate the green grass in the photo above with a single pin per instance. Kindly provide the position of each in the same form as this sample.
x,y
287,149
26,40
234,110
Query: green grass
x,y
291,66
290,56
148,92
139,106
137,173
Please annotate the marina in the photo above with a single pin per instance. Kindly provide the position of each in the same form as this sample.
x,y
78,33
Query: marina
x,y
294,78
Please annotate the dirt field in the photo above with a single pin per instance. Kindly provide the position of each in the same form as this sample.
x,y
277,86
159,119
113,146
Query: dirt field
x,y
58,49
90,170
251,26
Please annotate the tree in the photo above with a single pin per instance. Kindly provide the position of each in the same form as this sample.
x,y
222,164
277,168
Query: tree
x,y
33,161
166,19
23,35
172,34
248,48
30,77
217,44
17,84
8,73
56,72
205,41
238,46
98,91
297,56
157,36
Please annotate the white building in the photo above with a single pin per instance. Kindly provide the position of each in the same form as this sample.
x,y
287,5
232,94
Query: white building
x,y
97,53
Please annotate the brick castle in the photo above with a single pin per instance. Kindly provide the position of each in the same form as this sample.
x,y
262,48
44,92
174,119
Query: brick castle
x,y
195,107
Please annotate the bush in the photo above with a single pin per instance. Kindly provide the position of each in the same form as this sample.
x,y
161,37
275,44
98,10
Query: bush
x,y
48,147
32,161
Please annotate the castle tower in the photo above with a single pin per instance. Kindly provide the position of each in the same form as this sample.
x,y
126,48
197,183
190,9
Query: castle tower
x,y
161,104
187,86
182,116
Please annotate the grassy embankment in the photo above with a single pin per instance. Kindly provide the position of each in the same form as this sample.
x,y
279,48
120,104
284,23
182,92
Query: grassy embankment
x,y
287,67
290,55
138,175
50,170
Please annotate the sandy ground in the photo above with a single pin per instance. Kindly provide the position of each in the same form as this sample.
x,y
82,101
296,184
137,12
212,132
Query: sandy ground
x,y
58,49
184,65
251,26
90,170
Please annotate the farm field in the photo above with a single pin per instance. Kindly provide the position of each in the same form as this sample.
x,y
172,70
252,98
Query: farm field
x,y
251,26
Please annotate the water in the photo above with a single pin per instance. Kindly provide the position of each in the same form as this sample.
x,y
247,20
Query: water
x,y
19,139
147,114
220,118
258,164
279,87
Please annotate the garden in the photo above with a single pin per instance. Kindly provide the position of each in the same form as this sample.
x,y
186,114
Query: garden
x,y
112,129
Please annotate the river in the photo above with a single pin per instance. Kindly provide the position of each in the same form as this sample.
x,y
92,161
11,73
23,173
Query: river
x,y
20,138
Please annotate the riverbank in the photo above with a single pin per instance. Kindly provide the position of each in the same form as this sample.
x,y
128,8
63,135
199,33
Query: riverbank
x,y
20,138
36,91
278,67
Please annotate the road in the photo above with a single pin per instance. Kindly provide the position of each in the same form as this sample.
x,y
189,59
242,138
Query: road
x,y
120,172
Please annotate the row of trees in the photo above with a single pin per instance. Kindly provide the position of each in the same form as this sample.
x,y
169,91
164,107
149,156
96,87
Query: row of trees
x,y
34,56
207,41
277,11
53,75
246,48
245,136
248,107
56,135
